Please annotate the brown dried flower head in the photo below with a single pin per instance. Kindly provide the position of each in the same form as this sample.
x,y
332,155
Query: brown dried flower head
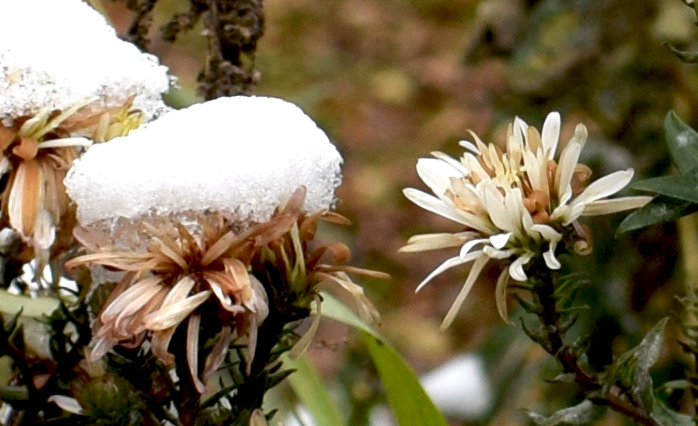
x,y
212,271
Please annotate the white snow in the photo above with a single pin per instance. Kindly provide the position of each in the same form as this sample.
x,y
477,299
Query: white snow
x,y
241,156
58,53
460,388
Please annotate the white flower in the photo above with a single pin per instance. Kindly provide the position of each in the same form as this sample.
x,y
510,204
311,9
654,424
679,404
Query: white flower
x,y
517,205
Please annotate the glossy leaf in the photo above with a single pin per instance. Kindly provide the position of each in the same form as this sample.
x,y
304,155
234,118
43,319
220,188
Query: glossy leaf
x,y
682,141
410,403
312,393
661,209
681,187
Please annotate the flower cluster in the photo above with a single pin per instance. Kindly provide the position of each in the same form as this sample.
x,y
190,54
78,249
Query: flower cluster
x,y
516,206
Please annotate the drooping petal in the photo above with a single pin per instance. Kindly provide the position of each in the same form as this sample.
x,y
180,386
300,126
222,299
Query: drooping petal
x,y
500,293
475,270
193,351
516,268
26,196
170,315
448,264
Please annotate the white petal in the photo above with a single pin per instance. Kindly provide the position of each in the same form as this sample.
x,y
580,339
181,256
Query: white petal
x,y
448,264
565,170
516,268
551,134
549,257
436,174
436,241
500,240
455,164
470,244
600,207
499,254
66,403
501,295
601,188
443,207
479,263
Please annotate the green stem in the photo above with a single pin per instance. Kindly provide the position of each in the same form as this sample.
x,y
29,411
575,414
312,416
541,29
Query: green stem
x,y
553,342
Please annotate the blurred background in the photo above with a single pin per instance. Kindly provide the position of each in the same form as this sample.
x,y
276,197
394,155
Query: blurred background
x,y
392,80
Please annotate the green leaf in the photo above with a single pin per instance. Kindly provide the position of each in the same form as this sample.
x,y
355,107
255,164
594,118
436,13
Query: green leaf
x,y
409,401
661,209
580,414
35,307
312,393
680,187
685,55
631,370
666,416
682,141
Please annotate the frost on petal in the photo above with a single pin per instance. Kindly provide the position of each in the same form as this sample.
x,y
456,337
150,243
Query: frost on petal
x,y
241,156
76,57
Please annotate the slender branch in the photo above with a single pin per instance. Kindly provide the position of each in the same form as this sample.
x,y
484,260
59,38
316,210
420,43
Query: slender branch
x,y
544,291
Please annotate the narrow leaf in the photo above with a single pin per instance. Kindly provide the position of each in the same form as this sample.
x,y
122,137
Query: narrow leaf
x,y
682,141
312,393
681,187
409,401
659,210
406,396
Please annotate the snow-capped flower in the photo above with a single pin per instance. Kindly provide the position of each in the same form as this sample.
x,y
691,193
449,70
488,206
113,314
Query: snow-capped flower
x,y
211,225
517,205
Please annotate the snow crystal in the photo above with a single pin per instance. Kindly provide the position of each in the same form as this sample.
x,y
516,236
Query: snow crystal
x,y
58,53
241,156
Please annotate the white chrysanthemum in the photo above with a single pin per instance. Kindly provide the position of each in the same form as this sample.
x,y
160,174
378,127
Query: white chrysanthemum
x,y
55,54
515,205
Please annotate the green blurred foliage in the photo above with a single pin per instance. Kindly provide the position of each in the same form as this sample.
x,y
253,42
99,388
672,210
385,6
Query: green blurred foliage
x,y
392,80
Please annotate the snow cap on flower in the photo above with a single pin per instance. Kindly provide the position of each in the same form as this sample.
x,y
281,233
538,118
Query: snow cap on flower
x,y
241,156
55,54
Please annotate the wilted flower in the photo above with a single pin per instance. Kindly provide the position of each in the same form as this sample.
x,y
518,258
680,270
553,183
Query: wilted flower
x,y
37,152
182,269
517,205
217,239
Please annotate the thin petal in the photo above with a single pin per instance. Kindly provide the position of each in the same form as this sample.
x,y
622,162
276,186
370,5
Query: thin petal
x,y
478,264
448,264
501,295
172,314
437,241
193,351
516,268
500,240
25,197
600,207
436,174
549,257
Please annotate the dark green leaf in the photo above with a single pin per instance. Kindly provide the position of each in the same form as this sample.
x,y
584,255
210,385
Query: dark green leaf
x,y
685,55
580,414
661,209
682,141
681,187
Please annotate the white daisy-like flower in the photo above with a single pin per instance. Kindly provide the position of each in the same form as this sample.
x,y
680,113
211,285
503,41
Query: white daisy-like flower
x,y
516,206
